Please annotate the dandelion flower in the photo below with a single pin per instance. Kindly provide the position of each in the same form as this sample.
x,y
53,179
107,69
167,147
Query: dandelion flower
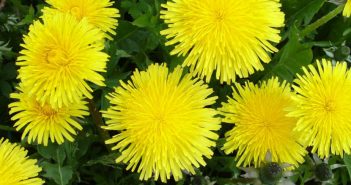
x,y
163,121
229,36
59,57
42,122
99,13
16,168
261,124
322,106
347,9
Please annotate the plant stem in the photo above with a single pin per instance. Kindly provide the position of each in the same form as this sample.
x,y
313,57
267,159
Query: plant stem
x,y
310,28
98,122
7,128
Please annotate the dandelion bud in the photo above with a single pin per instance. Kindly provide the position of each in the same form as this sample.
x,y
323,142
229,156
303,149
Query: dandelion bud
x,y
271,173
323,172
342,53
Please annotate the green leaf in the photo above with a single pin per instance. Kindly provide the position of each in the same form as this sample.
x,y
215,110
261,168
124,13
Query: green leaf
x,y
104,101
347,161
71,149
52,151
304,10
291,58
223,164
112,66
122,54
60,174
47,151
139,8
143,21
28,19
8,71
5,88
106,160
113,80
85,140
4,46
3,49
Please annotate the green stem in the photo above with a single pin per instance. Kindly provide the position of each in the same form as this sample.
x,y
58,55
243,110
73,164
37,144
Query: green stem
x,y
7,128
310,28
98,122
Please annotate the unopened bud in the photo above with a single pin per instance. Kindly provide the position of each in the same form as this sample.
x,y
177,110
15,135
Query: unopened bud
x,y
342,53
323,172
271,173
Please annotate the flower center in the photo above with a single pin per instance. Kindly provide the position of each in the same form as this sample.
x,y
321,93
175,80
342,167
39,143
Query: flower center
x,y
219,16
160,119
56,56
77,12
46,110
329,106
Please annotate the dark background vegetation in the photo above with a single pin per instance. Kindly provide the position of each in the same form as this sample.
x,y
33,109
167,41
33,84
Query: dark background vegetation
x,y
137,44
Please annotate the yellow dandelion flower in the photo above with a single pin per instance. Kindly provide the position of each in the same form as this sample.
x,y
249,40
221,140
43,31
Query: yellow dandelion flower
x,y
16,168
322,106
99,13
347,9
42,122
261,124
230,36
163,123
59,57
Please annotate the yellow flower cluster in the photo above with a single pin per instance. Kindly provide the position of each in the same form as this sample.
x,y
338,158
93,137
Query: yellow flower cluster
x,y
164,124
165,121
62,54
270,118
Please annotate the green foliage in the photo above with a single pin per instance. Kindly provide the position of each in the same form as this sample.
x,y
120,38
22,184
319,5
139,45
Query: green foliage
x,y
137,44
288,61
347,160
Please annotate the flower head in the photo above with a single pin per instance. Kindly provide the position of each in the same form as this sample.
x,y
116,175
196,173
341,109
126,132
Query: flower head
x,y
347,9
16,168
229,36
163,123
261,124
42,122
322,106
98,13
59,57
